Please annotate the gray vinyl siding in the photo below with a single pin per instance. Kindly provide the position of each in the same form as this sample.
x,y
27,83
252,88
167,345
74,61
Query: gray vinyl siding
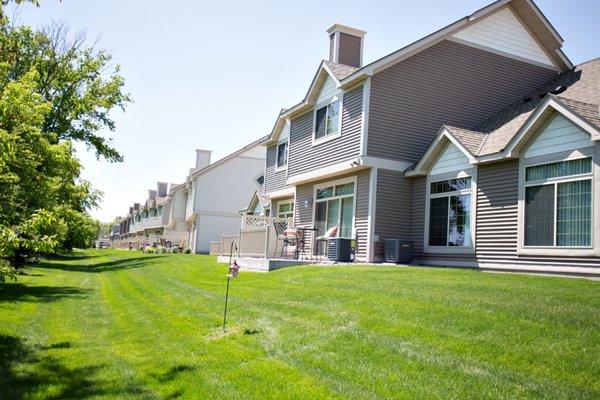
x,y
495,227
274,180
275,205
362,213
349,51
393,208
497,221
497,194
418,231
304,216
304,157
448,83
331,47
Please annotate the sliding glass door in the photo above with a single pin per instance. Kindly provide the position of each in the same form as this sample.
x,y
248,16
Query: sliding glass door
x,y
334,207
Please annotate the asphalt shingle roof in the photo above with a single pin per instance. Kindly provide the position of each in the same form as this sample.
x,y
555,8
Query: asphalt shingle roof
x,y
340,71
582,95
470,139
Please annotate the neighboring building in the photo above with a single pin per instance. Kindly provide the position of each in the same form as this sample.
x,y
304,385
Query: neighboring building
x,y
115,233
215,193
477,142
158,221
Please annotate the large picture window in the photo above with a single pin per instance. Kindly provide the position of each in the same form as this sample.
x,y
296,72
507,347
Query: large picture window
x,y
334,207
327,120
558,204
450,213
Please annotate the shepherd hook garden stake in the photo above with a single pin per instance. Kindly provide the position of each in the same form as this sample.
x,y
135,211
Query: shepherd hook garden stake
x,y
233,272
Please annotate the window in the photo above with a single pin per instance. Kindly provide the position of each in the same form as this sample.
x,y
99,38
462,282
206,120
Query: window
x,y
558,204
327,120
285,209
155,212
334,206
282,154
260,180
450,213
160,210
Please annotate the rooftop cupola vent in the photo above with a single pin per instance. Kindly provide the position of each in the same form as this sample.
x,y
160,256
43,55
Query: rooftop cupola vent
x,y
346,45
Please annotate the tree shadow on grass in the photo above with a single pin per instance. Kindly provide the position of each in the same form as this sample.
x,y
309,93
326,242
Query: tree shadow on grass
x,y
24,293
29,372
172,373
72,256
124,263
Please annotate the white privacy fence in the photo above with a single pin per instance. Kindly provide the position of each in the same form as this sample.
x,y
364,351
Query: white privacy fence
x,y
258,237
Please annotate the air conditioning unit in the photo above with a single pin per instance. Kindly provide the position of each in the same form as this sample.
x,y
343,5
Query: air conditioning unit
x,y
339,249
398,251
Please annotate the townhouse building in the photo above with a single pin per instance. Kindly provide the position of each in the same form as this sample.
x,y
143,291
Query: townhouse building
x,y
216,192
157,221
478,143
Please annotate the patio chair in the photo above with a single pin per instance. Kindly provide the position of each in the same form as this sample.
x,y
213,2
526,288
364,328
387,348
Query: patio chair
x,y
331,232
280,233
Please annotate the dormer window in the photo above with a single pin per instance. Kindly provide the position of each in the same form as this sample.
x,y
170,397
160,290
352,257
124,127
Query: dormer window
x,y
327,120
282,154
283,147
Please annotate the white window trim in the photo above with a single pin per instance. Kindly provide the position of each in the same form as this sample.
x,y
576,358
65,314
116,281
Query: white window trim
x,y
472,173
594,248
283,167
327,138
288,201
316,187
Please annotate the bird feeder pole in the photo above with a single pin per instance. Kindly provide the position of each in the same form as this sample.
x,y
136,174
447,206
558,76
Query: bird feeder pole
x,y
233,272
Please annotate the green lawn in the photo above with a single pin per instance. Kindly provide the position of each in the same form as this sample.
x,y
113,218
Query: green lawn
x,y
118,324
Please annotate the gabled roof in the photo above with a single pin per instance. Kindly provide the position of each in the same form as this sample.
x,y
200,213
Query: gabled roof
x,y
223,160
339,71
470,140
576,96
527,11
326,69
176,186
346,76
257,197
581,85
579,91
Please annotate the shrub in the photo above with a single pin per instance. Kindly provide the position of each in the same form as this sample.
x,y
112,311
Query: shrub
x,y
7,272
141,248
163,250
188,251
149,250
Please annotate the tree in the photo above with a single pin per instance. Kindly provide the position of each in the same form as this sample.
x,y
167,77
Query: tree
x,y
105,228
78,81
53,90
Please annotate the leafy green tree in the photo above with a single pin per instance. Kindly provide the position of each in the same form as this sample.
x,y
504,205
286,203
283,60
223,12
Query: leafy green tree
x,y
79,82
53,90
105,228
81,230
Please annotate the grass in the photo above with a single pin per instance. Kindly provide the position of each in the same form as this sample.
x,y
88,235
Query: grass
x,y
116,324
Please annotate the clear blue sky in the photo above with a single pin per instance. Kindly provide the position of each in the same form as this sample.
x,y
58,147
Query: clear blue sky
x,y
214,75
